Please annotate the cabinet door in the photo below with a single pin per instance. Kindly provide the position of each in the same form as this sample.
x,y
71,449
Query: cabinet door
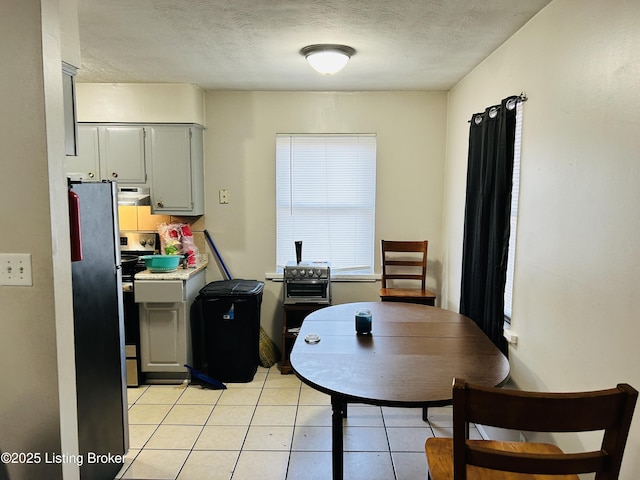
x,y
122,154
86,165
170,153
69,97
163,337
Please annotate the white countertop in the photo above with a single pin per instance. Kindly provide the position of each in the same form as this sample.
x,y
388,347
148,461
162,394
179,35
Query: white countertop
x,y
179,274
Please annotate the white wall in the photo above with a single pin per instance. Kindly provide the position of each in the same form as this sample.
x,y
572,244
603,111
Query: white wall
x,y
575,301
240,156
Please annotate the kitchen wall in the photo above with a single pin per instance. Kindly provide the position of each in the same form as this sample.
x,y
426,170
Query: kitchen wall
x,y
575,305
145,103
141,219
240,156
140,102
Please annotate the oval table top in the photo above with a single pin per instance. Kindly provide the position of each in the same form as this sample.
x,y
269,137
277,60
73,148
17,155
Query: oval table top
x,y
410,359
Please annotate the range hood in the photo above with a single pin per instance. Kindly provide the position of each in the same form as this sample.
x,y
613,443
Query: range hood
x,y
133,196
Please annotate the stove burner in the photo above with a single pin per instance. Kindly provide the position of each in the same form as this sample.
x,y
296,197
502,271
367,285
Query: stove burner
x,y
134,245
129,270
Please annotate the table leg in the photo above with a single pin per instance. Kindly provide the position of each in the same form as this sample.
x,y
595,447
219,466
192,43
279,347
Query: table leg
x,y
339,408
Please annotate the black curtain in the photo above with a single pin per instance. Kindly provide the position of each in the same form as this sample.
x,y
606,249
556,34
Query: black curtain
x,y
487,218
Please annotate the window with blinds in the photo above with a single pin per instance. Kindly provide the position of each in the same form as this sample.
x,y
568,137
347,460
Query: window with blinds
x,y
325,197
515,189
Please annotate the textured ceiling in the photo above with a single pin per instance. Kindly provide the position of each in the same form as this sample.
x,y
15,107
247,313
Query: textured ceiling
x,y
254,44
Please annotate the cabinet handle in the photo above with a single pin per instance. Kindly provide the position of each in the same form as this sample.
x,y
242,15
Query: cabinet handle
x,y
92,175
114,174
160,205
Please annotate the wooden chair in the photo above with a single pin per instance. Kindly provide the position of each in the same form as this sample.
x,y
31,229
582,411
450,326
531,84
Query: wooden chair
x,y
461,459
405,261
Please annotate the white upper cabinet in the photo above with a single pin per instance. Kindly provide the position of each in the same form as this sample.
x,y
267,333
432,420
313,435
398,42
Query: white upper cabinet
x,y
114,152
122,154
168,158
69,98
177,169
86,165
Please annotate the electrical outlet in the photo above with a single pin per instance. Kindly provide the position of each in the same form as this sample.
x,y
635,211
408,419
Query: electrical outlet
x,y
15,269
223,195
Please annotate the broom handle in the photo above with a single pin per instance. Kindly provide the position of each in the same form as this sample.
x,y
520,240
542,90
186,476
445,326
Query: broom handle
x,y
215,250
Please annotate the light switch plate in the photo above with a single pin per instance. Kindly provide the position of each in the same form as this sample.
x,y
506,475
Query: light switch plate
x,y
15,269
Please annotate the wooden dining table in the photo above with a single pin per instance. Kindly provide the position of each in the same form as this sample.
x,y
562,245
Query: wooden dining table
x,y
409,360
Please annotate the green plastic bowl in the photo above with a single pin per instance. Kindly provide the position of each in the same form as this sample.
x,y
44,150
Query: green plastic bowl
x,y
162,263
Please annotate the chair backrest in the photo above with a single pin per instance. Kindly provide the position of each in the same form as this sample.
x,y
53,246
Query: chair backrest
x,y
404,261
609,411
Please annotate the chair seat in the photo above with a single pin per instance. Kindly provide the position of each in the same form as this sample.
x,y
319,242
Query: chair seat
x,y
441,449
410,295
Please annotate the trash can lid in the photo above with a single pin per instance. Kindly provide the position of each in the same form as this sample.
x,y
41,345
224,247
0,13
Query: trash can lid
x,y
232,288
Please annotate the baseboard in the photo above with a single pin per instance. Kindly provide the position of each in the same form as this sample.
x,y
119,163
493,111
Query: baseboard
x,y
493,433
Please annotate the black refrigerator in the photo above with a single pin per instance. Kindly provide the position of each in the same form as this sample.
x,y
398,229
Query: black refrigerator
x,y
99,329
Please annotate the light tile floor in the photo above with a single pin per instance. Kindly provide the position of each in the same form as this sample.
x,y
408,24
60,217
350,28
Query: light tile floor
x,y
274,427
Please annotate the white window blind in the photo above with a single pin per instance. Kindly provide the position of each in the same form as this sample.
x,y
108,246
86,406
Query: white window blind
x,y
325,196
515,190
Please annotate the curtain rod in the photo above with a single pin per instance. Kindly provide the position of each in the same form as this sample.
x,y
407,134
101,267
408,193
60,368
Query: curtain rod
x,y
520,98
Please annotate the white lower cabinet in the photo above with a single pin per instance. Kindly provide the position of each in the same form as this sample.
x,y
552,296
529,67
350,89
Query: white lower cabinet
x,y
165,332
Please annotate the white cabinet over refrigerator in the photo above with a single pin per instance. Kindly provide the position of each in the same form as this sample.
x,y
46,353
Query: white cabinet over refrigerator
x,y
109,152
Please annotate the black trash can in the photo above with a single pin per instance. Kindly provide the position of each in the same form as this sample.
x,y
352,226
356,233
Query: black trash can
x,y
225,329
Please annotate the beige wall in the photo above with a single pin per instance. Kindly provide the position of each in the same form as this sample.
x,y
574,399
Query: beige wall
x,y
37,404
69,32
240,156
575,304
140,102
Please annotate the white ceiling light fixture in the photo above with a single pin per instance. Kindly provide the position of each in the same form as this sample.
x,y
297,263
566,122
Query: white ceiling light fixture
x,y
327,59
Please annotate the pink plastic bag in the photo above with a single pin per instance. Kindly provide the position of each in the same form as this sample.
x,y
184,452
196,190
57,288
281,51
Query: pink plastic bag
x,y
177,239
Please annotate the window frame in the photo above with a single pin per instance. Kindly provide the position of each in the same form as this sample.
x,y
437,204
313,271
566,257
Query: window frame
x,y
343,183
515,194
